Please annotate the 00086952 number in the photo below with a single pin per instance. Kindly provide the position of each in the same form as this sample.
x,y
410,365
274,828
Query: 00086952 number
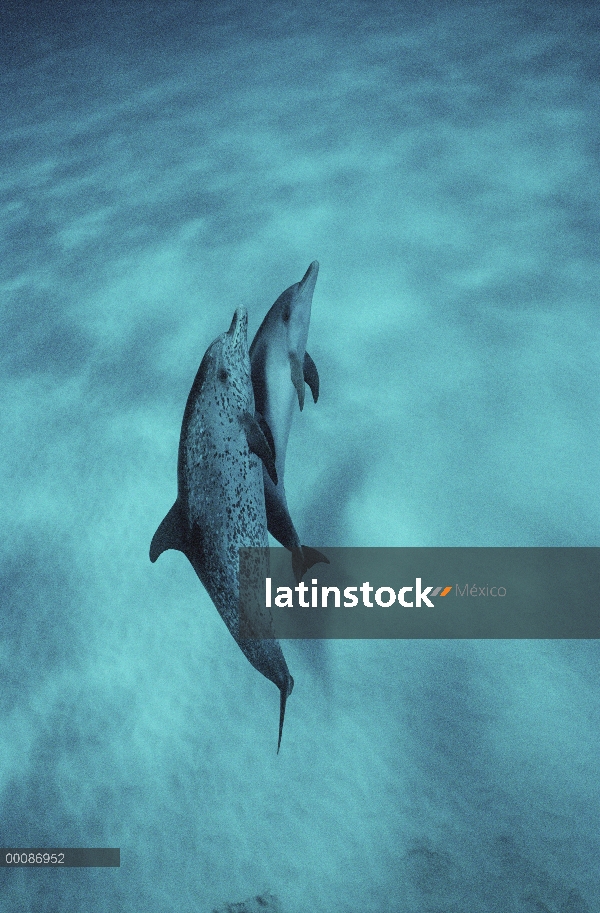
x,y
35,858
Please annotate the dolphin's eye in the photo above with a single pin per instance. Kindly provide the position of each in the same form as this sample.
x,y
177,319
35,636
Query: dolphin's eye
x,y
223,375
286,315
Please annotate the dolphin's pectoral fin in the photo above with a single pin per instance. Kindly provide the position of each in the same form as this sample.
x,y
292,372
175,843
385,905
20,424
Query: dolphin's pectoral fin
x,y
285,692
258,444
303,558
266,430
311,376
170,534
297,378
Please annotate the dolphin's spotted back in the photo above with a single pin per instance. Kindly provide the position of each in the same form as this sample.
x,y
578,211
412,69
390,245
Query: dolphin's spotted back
x,y
220,504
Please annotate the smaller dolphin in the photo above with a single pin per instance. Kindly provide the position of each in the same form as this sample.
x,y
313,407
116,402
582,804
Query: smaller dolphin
x,y
220,504
280,368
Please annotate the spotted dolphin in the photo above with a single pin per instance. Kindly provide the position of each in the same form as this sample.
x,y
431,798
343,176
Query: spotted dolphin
x,y
280,368
220,504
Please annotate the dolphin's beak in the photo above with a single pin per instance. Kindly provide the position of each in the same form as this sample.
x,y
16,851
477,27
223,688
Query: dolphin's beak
x,y
309,280
239,327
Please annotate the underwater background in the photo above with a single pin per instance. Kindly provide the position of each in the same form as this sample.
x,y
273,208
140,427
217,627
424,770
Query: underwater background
x,y
162,164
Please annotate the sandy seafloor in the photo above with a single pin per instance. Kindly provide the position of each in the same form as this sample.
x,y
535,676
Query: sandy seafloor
x,y
162,164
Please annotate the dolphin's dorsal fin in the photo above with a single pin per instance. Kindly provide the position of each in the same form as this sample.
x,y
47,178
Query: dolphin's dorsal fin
x,y
170,534
258,444
311,376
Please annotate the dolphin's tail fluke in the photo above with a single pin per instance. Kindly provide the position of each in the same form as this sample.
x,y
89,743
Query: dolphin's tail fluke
x,y
285,691
303,558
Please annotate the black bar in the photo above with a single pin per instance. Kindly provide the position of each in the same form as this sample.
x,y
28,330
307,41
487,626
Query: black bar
x,y
59,857
471,593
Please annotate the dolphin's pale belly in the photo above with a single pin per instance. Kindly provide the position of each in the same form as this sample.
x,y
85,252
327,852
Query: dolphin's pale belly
x,y
280,405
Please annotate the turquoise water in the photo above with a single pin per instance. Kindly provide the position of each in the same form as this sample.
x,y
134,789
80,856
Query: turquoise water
x,y
161,165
